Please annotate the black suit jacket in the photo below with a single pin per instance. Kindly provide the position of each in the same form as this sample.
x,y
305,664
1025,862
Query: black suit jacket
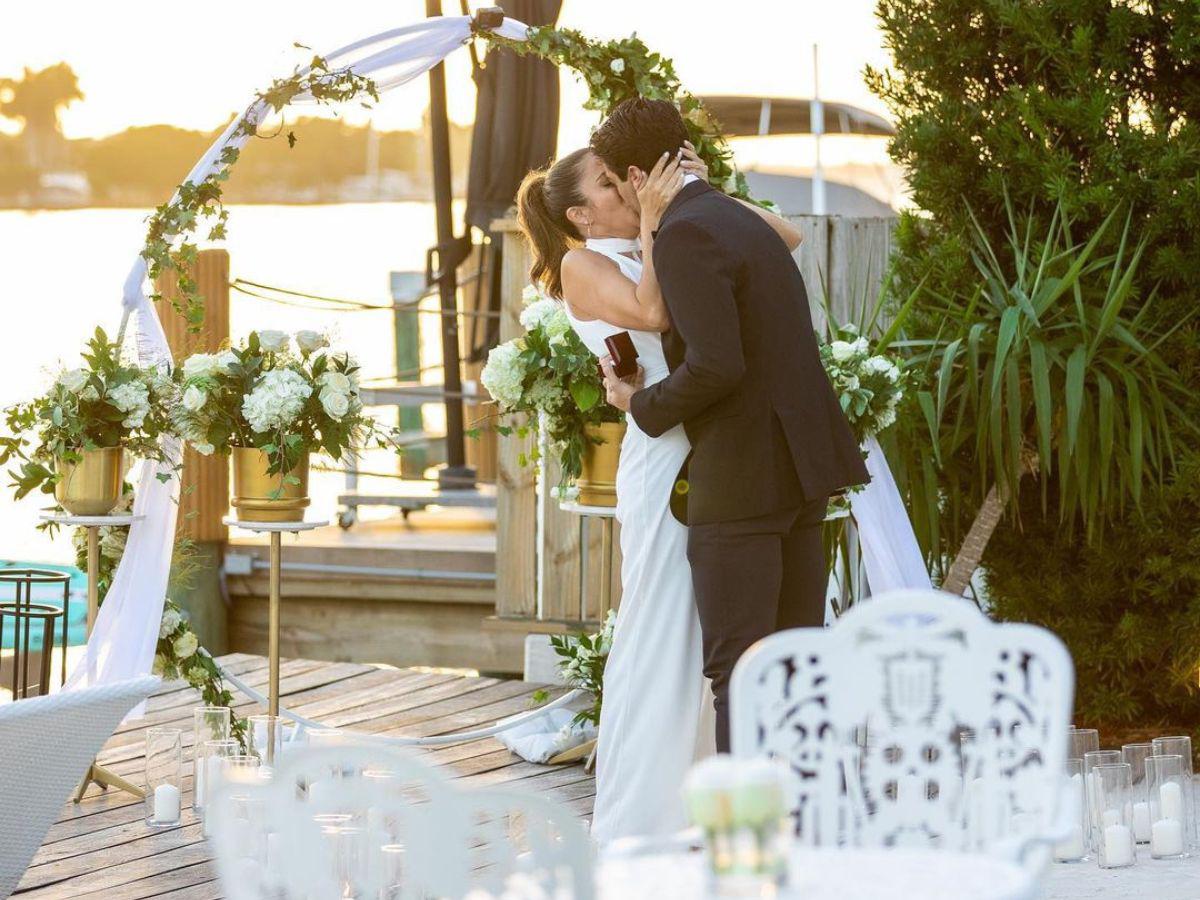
x,y
746,379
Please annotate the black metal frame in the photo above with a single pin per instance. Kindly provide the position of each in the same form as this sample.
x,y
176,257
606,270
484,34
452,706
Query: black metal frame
x,y
23,609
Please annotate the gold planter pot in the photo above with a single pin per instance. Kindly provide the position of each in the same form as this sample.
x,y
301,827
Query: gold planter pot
x,y
92,486
598,479
259,497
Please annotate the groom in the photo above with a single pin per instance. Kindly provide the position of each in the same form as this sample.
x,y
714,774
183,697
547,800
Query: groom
x,y
769,440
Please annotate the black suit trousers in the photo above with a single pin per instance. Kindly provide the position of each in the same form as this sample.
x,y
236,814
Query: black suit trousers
x,y
753,577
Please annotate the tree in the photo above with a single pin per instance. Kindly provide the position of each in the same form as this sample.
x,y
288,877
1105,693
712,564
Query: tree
x,y
36,100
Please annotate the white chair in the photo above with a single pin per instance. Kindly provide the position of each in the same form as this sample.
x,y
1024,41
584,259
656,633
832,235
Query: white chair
x,y
915,721
46,746
366,820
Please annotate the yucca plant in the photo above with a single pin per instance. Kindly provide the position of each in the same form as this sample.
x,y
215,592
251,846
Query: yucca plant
x,y
1040,369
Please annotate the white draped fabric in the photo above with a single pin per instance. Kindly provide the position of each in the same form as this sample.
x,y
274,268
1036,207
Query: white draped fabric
x,y
890,552
123,641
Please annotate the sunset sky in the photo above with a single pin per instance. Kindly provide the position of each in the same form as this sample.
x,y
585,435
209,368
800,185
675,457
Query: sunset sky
x,y
145,61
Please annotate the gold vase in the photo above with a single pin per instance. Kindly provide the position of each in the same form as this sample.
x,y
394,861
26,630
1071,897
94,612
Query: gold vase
x,y
259,497
92,486
598,476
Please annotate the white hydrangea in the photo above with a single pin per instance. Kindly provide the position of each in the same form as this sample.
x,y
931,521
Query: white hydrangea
x,y
886,418
170,621
133,399
194,398
503,375
860,345
308,341
530,294
273,341
205,365
617,66
185,645
538,313
841,350
203,448
877,365
74,379
277,400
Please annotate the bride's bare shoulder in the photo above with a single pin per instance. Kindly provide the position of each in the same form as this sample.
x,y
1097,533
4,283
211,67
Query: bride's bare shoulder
x,y
580,262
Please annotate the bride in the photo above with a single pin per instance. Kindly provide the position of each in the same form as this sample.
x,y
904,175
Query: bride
x,y
657,714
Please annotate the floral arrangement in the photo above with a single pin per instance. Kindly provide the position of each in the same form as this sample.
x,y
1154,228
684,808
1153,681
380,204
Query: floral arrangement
x,y
550,374
103,403
869,387
581,664
285,396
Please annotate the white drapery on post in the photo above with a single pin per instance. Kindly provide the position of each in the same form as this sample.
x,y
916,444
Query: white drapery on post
x,y
125,635
890,552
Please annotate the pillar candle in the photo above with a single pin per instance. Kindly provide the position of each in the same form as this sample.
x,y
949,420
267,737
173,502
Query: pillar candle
x,y
1166,838
1118,845
166,804
1072,848
1170,798
1141,822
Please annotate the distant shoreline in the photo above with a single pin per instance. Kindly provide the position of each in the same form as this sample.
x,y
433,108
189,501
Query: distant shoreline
x,y
282,202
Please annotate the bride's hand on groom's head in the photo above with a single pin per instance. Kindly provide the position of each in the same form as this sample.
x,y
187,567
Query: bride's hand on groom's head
x,y
691,163
656,190
619,391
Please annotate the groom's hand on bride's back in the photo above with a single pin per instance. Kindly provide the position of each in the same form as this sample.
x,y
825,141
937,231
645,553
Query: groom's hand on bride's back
x,y
618,391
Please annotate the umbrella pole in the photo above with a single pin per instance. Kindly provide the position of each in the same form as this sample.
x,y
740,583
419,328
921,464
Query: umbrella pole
x,y
456,473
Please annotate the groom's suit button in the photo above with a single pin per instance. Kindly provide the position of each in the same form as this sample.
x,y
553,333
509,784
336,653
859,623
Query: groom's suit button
x,y
681,486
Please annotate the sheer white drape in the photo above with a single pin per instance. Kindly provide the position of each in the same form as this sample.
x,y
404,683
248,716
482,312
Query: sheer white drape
x,y
126,631
890,552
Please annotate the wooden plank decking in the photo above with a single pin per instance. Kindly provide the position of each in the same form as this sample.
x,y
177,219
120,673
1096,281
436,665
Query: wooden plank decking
x,y
101,848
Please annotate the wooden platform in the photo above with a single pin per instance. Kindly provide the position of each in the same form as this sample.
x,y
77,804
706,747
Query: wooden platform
x,y
102,849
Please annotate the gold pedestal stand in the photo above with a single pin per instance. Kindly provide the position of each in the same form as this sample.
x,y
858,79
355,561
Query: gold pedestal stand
x,y
95,774
275,530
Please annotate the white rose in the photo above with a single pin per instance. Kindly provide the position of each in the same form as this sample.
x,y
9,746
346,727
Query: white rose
x,y
273,341
335,403
74,380
308,341
194,398
841,350
185,645
133,399
336,381
203,365
617,66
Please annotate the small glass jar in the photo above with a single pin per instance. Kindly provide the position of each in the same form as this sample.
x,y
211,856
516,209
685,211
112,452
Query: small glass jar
x,y
265,737
1081,741
164,777
1135,755
209,723
1181,746
1074,847
1167,785
216,755
1113,792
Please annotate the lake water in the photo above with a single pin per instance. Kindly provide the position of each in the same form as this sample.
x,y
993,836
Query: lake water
x,y
61,274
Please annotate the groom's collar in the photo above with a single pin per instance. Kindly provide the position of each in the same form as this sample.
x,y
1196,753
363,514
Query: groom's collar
x,y
686,193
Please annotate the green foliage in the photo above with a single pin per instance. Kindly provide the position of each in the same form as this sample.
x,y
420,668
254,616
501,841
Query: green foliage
x,y
171,234
618,70
582,658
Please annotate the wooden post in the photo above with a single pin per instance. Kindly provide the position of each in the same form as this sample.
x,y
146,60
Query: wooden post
x,y
516,493
204,491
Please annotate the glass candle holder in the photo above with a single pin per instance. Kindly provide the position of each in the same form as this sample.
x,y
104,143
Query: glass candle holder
x,y
1114,805
265,737
209,723
1081,741
164,777
215,755
242,769
1074,847
1135,755
1167,785
1181,746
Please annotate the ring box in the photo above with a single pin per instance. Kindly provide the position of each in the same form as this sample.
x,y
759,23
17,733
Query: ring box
x,y
624,354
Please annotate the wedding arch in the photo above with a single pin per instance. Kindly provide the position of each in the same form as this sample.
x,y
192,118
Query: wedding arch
x,y
127,630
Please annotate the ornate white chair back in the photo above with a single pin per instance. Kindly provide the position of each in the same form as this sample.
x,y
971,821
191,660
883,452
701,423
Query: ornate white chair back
x,y
913,721
365,820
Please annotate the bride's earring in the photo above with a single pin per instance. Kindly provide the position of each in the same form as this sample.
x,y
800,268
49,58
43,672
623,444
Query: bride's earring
x,y
589,230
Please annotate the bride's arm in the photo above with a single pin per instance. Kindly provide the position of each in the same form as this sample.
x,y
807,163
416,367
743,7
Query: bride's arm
x,y
790,233
594,288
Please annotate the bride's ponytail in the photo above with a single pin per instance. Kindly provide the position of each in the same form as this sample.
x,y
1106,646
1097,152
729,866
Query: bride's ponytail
x,y
542,203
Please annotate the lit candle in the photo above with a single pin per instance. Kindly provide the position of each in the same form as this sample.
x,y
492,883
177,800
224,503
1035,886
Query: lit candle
x,y
166,804
213,766
1072,848
1141,822
1170,798
1166,838
1118,845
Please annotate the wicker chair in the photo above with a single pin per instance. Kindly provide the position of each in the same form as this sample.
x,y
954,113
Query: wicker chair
x,y
46,745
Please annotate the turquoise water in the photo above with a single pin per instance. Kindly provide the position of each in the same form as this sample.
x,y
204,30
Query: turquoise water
x,y
51,595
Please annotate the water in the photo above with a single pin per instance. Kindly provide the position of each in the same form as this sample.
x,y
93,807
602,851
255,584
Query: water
x,y
61,274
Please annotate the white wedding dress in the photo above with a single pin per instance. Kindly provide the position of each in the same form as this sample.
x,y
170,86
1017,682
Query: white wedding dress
x,y
657,717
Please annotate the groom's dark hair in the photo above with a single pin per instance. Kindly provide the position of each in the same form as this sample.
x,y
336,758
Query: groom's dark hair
x,y
637,133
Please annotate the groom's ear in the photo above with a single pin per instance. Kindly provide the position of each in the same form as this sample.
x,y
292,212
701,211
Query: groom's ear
x,y
636,177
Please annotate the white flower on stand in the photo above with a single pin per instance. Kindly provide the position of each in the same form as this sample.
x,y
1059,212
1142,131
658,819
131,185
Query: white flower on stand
x,y
335,403
503,375
273,341
203,448
170,621
276,400
841,350
617,66
74,380
205,365
194,398
185,645
133,399
308,341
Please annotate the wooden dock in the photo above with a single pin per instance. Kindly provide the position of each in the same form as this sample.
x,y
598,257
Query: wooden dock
x,y
101,847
